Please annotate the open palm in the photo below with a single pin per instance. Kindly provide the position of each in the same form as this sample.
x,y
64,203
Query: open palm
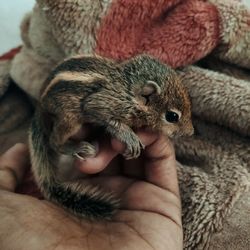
x,y
149,216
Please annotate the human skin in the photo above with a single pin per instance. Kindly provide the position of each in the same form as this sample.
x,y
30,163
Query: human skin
x,y
149,216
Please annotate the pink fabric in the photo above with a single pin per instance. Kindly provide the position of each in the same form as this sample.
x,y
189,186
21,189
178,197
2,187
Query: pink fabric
x,y
10,54
177,32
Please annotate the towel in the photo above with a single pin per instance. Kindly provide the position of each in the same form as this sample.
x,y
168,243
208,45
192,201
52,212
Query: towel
x,y
208,43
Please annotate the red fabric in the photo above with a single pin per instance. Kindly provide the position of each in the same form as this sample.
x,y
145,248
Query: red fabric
x,y
11,54
177,32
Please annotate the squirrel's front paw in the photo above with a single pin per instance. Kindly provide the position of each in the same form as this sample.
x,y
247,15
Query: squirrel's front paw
x,y
80,150
133,148
126,135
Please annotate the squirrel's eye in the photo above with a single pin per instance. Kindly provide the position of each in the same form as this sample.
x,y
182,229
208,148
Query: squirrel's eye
x,y
172,117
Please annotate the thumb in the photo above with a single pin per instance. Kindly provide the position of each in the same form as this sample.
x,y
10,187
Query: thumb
x,y
13,165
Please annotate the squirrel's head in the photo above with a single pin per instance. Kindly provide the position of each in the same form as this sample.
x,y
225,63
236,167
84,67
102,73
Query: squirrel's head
x,y
162,100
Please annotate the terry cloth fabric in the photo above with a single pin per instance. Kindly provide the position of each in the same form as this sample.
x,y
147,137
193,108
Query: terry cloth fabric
x,y
15,106
208,42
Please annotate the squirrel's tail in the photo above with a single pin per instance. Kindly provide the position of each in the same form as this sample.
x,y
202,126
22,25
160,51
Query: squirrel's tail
x,y
78,197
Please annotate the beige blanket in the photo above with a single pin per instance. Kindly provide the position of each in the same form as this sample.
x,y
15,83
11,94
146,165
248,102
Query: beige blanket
x,y
214,163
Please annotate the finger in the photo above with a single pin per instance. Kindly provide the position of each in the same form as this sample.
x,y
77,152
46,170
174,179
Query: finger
x,y
134,168
116,184
160,166
106,154
13,165
114,168
99,162
146,138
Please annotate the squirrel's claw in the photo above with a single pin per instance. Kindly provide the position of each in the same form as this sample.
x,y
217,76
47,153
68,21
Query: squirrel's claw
x,y
79,157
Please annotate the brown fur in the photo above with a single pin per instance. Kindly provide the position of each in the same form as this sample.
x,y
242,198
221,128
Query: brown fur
x,y
115,96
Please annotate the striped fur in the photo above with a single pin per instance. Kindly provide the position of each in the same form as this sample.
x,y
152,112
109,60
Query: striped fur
x,y
80,198
114,96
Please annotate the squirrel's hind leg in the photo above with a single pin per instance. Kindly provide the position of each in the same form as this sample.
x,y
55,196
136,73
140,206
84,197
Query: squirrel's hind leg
x,y
81,150
60,138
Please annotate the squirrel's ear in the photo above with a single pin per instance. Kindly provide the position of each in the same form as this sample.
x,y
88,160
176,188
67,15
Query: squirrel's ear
x,y
150,88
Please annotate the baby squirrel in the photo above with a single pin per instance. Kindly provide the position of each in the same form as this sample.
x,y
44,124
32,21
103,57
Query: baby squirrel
x,y
117,96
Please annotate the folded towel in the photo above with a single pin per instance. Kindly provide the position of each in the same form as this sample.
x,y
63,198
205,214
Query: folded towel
x,y
215,162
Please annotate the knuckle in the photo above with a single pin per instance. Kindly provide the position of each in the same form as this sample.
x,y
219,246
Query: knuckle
x,y
8,178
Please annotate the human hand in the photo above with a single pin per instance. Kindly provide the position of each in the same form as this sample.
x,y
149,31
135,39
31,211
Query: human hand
x,y
149,217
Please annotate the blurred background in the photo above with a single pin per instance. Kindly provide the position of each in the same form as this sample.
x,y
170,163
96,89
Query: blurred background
x,y
11,13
